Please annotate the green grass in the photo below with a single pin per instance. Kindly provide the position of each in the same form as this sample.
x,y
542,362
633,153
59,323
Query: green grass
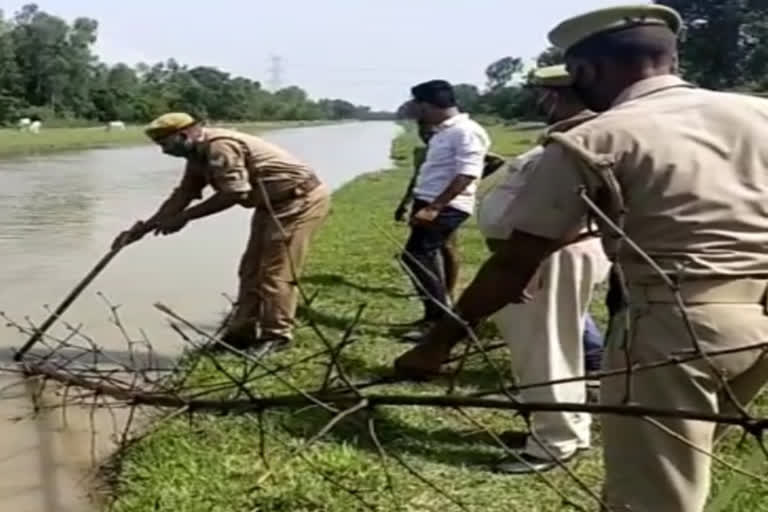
x,y
16,143
213,463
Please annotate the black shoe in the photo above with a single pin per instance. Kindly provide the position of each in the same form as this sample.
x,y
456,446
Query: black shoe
x,y
514,439
238,340
525,464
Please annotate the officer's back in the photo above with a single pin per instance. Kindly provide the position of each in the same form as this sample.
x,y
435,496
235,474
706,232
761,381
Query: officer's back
x,y
696,164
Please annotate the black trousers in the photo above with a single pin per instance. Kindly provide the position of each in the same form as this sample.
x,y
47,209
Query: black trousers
x,y
422,256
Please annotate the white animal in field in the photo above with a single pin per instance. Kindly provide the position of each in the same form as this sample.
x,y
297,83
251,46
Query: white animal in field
x,y
34,127
115,125
23,124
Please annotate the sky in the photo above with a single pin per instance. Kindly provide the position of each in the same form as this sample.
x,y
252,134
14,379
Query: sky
x,y
369,52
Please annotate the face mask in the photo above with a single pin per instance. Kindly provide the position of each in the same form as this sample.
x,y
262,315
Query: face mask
x,y
547,104
582,93
585,89
555,99
177,144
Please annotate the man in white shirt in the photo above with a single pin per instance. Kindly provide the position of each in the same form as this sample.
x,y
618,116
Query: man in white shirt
x,y
444,195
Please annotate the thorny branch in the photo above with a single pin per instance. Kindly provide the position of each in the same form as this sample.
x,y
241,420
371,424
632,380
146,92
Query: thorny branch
x,y
90,376
134,393
165,400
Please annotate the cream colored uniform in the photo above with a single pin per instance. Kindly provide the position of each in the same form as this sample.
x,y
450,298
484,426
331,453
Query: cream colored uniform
x,y
693,167
545,335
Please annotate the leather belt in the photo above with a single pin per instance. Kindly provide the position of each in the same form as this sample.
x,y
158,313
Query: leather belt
x,y
299,189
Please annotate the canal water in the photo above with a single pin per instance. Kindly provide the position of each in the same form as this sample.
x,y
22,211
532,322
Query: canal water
x,y
59,214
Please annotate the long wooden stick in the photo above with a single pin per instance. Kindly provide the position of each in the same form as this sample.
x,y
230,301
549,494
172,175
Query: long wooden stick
x,y
38,334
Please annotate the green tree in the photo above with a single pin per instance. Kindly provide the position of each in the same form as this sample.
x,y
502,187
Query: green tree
x,y
501,72
10,79
552,56
725,42
80,68
467,97
47,66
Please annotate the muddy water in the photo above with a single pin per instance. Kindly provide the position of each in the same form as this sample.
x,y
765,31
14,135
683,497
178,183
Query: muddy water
x,y
58,216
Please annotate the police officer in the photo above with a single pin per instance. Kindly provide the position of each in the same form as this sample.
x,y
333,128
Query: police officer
x,y
545,335
289,203
690,165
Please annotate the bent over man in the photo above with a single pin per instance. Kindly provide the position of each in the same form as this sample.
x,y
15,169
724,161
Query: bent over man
x,y
685,169
289,203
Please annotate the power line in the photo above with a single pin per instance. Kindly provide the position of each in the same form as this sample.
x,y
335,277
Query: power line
x,y
275,73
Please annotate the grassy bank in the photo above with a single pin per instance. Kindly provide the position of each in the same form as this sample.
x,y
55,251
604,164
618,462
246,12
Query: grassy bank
x,y
16,143
209,463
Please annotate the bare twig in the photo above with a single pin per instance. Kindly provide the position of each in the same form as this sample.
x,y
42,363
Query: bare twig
x,y
323,431
416,474
516,455
129,396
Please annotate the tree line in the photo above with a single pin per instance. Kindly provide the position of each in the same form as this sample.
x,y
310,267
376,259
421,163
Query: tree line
x,y
49,71
724,46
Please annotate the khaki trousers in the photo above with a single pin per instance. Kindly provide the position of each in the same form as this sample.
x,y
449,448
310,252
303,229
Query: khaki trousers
x,y
647,469
272,264
545,339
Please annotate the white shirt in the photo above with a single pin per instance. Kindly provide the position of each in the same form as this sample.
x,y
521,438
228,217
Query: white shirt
x,y
457,149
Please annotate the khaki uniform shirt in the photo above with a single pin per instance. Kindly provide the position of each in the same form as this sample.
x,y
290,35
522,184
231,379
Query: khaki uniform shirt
x,y
497,194
693,167
234,162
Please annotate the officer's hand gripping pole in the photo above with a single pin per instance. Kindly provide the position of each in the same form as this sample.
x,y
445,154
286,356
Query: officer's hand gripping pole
x,y
39,332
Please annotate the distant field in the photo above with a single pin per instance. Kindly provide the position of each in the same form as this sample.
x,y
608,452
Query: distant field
x,y
15,143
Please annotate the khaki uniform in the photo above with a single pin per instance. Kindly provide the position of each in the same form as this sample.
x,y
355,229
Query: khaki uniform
x,y
692,165
545,335
290,205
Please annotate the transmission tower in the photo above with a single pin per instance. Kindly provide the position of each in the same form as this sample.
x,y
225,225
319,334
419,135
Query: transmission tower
x,y
276,73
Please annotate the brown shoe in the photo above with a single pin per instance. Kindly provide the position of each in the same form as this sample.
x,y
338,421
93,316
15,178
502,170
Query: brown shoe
x,y
422,362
